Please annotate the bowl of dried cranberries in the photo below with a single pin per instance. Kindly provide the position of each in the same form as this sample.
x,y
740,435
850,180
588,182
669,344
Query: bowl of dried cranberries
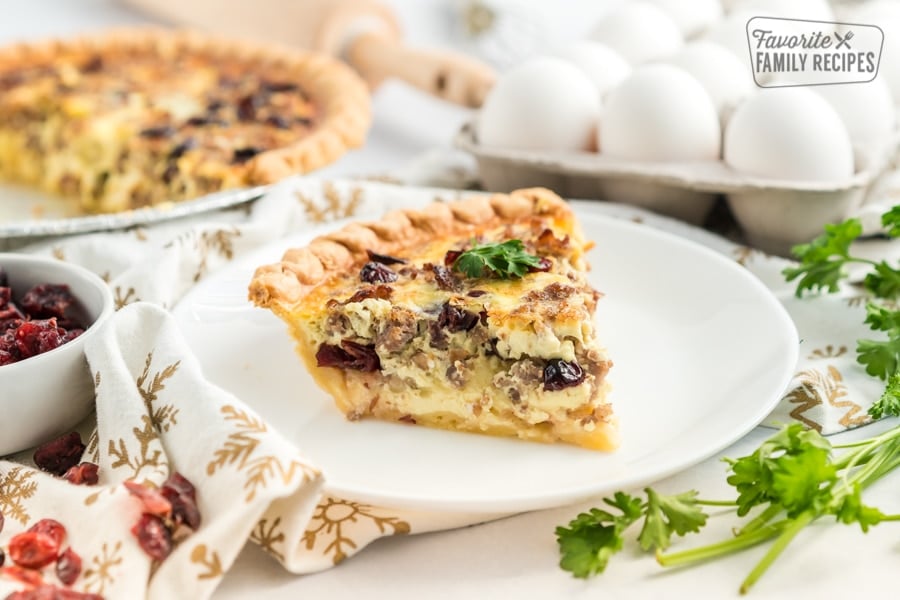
x,y
48,310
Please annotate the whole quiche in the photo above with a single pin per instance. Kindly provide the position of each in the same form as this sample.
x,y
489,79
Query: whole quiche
x,y
140,117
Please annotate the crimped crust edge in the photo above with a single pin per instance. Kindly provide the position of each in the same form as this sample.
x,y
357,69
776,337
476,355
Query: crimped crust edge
x,y
281,285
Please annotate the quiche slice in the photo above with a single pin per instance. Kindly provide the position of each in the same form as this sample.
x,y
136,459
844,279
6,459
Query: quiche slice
x,y
146,116
473,316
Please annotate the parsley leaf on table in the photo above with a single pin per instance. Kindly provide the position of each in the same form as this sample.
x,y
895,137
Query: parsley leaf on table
x,y
593,537
768,474
881,358
667,515
891,221
822,260
852,510
505,260
883,281
889,403
589,541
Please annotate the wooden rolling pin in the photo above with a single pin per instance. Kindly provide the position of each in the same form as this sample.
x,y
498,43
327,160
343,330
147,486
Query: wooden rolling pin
x,y
364,33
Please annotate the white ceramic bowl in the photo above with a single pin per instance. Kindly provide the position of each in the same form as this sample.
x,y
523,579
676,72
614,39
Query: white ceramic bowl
x,y
48,394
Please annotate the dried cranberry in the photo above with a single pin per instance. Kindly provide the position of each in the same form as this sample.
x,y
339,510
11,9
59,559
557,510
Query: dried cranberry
x,y
47,300
560,374
385,259
544,265
179,150
162,131
180,484
59,455
476,293
204,121
443,277
45,591
83,474
278,122
153,500
42,327
184,507
27,576
373,272
153,536
71,334
247,107
438,337
7,358
37,337
454,318
169,173
381,292
451,257
278,86
2,557
244,154
349,355
68,566
33,550
51,527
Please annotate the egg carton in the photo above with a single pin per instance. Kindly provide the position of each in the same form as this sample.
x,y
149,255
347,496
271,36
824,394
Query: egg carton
x,y
773,214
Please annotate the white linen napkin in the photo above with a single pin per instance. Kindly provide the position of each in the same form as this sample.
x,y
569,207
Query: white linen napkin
x,y
157,414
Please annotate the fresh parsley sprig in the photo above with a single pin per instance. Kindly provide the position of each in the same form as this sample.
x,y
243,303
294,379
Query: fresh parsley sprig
x,y
500,259
792,479
821,267
589,541
889,403
788,482
822,261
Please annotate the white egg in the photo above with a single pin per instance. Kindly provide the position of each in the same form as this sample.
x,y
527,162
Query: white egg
x,y
639,31
788,133
603,66
867,109
886,15
542,104
724,76
660,113
731,32
812,10
691,17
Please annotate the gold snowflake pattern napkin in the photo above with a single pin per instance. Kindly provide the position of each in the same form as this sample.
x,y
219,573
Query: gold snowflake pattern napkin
x,y
156,413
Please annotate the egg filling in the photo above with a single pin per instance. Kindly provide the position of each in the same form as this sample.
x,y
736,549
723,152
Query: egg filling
x,y
124,130
410,338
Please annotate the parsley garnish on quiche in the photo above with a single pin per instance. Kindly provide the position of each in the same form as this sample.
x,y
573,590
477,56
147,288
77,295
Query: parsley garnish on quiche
x,y
472,316
146,116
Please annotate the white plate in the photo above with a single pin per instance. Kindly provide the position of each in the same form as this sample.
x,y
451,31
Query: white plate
x,y
26,213
702,352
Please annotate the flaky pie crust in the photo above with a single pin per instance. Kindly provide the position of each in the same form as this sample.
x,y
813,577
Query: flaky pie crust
x,y
281,285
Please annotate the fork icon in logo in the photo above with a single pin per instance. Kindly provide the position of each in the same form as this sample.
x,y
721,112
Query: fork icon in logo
x,y
843,42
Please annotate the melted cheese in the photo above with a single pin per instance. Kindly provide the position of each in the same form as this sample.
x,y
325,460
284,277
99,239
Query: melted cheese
x,y
488,378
